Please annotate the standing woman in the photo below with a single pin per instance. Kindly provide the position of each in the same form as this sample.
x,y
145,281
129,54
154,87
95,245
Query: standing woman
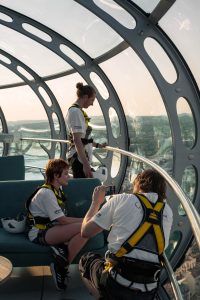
x,y
48,223
80,151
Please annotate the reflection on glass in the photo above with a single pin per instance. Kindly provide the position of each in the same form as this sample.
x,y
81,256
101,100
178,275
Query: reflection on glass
x,y
114,120
186,122
45,96
161,59
102,89
175,239
116,160
188,184
117,12
56,122
188,275
148,123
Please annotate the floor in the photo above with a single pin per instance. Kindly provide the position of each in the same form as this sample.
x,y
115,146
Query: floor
x,y
36,283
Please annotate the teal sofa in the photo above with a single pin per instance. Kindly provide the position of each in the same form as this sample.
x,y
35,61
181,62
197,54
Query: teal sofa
x,y
16,247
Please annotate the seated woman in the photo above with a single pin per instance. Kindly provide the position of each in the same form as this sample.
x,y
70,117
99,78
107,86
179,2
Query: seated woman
x,y
48,223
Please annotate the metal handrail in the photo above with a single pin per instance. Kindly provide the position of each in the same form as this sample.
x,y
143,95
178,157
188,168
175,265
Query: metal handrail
x,y
172,277
187,204
191,211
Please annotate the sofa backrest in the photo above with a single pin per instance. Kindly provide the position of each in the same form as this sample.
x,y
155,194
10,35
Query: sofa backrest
x,y
12,167
13,195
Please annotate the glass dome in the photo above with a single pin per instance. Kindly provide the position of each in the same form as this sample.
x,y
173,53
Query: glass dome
x,y
141,57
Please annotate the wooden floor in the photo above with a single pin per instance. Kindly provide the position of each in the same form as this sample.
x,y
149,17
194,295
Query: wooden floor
x,y
36,283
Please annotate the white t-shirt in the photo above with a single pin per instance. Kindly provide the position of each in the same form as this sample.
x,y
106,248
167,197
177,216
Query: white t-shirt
x,y
124,213
75,123
44,204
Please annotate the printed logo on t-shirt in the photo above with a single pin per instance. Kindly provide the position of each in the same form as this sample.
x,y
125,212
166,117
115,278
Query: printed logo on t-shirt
x,y
98,215
57,211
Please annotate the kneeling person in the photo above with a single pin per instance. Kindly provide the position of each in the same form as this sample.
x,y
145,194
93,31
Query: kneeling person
x,y
130,269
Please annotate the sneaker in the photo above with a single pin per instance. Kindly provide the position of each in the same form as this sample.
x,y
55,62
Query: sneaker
x,y
58,276
60,252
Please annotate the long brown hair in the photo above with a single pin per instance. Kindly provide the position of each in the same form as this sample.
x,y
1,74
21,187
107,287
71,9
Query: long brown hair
x,y
151,181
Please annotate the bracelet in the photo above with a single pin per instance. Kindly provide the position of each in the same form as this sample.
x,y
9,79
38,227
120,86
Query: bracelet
x,y
97,145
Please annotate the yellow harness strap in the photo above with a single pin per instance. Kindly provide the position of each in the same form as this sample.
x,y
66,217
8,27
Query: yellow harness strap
x,y
60,201
142,230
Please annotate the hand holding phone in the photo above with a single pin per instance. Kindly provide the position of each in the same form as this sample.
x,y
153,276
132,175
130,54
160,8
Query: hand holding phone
x,y
110,190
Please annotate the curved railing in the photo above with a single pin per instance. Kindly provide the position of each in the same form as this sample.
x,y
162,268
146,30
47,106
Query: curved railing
x,y
190,210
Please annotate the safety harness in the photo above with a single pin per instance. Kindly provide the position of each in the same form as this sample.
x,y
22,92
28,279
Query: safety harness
x,y
42,222
148,237
84,140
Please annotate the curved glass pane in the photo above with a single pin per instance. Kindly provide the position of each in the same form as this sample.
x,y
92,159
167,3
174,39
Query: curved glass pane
x,y
148,124
116,160
186,122
8,76
146,5
117,12
161,59
181,24
84,26
31,53
114,120
174,241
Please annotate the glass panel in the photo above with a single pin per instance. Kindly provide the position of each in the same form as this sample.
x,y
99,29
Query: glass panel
x,y
87,31
174,241
182,24
116,160
7,76
161,59
148,124
188,275
186,122
189,185
114,120
31,53
56,122
117,12
146,5
99,85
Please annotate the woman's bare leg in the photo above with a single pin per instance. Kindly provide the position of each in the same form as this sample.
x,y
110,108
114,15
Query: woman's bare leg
x,y
67,233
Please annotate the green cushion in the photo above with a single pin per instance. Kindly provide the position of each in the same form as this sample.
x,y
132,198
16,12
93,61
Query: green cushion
x,y
12,167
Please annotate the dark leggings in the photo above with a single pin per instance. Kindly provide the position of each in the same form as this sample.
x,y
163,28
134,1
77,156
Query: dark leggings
x,y
77,169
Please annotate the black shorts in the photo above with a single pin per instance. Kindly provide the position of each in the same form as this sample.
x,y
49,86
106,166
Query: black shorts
x,y
91,267
40,239
77,167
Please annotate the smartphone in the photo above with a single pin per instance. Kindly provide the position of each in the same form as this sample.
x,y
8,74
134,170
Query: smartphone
x,y
110,190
